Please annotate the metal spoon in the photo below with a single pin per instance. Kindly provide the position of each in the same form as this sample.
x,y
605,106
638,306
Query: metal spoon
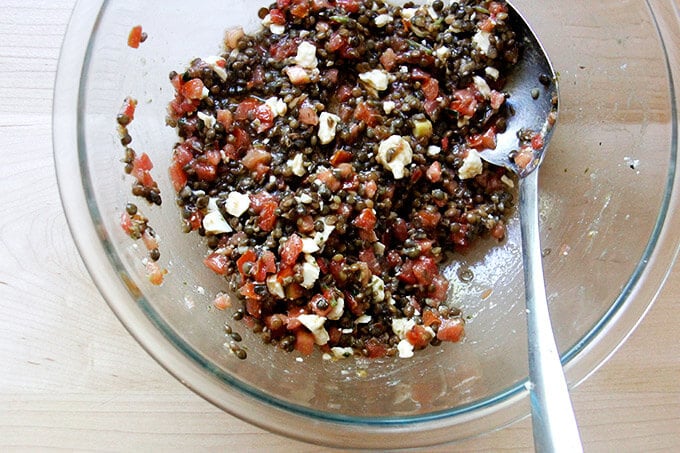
x,y
532,86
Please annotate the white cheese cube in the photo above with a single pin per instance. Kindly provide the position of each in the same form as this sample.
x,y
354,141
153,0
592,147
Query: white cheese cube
x,y
481,41
472,165
401,326
208,120
389,106
277,106
328,124
482,86
408,13
296,165
310,272
309,245
395,153
382,19
342,353
237,203
377,286
315,325
275,287
214,223
492,72
306,55
433,150
337,310
376,79
405,349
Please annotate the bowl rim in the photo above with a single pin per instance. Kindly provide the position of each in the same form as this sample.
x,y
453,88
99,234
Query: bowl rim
x,y
190,368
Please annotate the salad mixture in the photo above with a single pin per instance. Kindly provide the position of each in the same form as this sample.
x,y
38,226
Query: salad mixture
x,y
331,160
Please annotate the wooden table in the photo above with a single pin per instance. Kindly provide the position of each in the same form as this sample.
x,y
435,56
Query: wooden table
x,y
71,376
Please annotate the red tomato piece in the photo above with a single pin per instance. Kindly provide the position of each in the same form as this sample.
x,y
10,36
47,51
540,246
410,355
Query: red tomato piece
x,y
330,180
430,89
277,16
217,263
434,172
366,219
351,6
418,336
300,9
429,219
141,167
340,157
225,118
497,99
266,116
241,139
135,36
307,114
245,107
128,108
205,171
249,256
424,270
451,330
193,89
255,157
388,59
375,349
304,342
126,223
267,219
464,102
441,288
266,264
290,250
537,141
367,114
431,318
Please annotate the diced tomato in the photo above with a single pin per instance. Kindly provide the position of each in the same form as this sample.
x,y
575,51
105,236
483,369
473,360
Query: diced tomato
x,y
135,36
434,172
498,231
307,114
367,256
431,89
343,94
400,229
464,102
366,219
340,156
217,263
195,220
351,6
245,107
256,160
418,336
367,114
241,139
318,5
523,158
336,42
370,188
256,79
290,250
429,219
225,118
141,168
277,16
304,341
431,318
425,269
126,223
249,256
283,49
537,141
388,59
222,301
487,24
441,288
212,157
451,329
182,154
154,273
329,180
283,4
393,259
487,140
267,219
193,89
406,274
266,264
204,171
496,8
128,108
253,303
266,116
375,349
497,99
300,9
332,75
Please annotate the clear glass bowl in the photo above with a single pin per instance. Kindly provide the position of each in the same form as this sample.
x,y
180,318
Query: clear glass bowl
x,y
608,213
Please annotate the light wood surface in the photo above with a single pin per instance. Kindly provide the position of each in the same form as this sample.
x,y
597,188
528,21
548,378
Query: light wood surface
x,y
71,377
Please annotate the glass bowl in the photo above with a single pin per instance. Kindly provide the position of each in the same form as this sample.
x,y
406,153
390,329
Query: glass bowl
x,y
608,216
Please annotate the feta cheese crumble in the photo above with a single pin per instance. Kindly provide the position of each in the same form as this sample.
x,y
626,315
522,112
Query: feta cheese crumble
x,y
395,153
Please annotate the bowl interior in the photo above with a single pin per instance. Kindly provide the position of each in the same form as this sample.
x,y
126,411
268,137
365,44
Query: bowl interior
x,y
603,186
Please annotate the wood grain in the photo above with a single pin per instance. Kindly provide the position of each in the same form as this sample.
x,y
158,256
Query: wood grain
x,y
73,378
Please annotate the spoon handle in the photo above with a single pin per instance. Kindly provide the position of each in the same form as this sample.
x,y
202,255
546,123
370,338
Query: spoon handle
x,y
553,420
